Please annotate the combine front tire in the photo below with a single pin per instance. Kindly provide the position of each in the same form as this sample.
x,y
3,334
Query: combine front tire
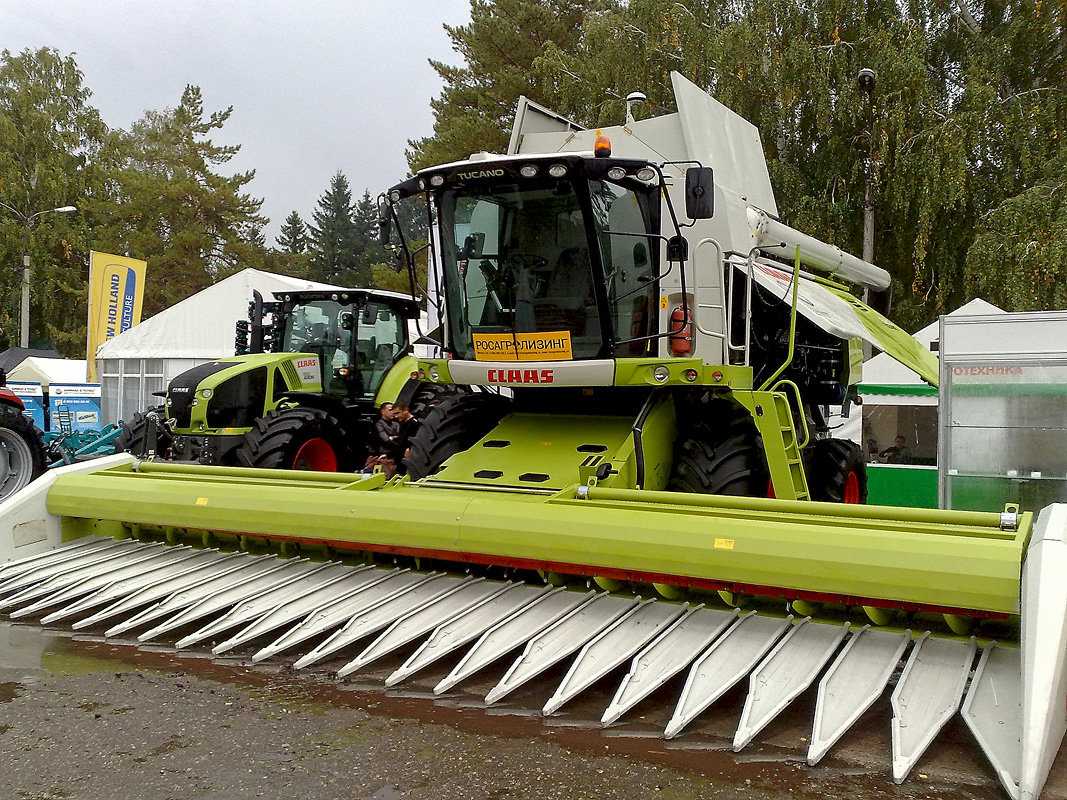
x,y
837,471
298,438
451,427
726,459
21,451
134,435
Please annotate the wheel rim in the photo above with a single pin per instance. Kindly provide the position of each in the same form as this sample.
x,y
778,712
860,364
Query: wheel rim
x,y
851,493
16,463
316,455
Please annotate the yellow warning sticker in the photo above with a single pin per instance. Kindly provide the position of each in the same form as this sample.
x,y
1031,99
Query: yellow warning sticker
x,y
663,302
724,544
541,346
201,501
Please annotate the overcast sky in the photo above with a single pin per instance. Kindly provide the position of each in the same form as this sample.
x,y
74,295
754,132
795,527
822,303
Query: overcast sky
x,y
316,86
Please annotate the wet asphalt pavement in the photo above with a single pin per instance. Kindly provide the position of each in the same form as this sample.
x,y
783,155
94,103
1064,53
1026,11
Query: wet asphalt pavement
x,y
94,720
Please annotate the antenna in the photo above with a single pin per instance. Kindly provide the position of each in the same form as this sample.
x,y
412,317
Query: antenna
x,y
633,99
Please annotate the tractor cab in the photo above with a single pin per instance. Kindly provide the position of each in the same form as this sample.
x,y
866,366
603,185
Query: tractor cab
x,y
356,337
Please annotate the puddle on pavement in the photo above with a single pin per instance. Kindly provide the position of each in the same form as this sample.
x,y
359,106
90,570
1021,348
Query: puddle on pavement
x,y
26,650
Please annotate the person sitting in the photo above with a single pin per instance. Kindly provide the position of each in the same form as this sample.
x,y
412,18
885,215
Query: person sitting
x,y
898,453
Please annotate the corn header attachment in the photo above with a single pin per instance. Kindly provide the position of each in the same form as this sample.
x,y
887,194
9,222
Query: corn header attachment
x,y
170,551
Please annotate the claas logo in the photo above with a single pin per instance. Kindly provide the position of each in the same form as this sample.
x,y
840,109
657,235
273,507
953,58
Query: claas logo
x,y
520,376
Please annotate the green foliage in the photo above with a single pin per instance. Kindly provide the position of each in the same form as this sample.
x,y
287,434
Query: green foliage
x,y
168,204
294,236
50,143
500,45
334,237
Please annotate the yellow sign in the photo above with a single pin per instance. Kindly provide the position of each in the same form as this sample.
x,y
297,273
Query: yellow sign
x,y
724,544
116,288
546,346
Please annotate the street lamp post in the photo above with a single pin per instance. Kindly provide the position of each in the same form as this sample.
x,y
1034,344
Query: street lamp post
x,y
24,305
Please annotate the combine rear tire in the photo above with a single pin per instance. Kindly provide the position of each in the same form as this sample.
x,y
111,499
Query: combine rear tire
x,y
837,471
134,435
21,451
429,395
724,459
298,438
451,427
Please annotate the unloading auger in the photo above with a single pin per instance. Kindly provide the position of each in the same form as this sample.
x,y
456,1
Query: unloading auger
x,y
645,457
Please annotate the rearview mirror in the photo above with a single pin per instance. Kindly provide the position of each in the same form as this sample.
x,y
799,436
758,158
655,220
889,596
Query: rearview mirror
x,y
473,246
699,192
384,229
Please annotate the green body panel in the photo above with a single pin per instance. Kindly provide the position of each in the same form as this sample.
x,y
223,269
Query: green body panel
x,y
902,485
771,413
859,554
900,345
542,452
395,379
241,364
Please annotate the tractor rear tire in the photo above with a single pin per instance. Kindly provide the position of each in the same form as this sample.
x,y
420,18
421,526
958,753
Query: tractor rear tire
x,y
134,435
299,438
452,426
21,451
726,458
837,471
429,395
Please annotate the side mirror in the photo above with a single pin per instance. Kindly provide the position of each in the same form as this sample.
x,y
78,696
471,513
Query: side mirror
x,y
473,246
699,193
384,229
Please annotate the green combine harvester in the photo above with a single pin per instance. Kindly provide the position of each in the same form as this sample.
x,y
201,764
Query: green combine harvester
x,y
662,352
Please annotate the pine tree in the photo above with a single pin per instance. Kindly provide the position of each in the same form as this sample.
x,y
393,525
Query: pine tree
x,y
334,243
193,225
294,237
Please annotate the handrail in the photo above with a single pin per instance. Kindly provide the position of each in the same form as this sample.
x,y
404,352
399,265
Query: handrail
x,y
800,408
697,305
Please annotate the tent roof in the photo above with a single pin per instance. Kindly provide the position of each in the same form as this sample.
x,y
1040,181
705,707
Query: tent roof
x,y
201,326
46,371
884,370
13,356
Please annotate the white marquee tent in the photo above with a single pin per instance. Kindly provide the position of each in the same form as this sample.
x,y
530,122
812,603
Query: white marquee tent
x,y
200,328
47,371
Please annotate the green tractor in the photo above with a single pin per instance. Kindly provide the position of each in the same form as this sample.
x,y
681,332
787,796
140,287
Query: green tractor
x,y
302,391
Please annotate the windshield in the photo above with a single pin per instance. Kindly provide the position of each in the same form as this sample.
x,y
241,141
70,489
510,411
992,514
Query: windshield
x,y
325,327
521,276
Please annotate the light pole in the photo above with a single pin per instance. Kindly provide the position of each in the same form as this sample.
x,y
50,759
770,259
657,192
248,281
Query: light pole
x,y
27,222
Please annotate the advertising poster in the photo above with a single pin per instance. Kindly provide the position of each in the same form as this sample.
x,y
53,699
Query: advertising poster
x,y
80,402
116,288
32,397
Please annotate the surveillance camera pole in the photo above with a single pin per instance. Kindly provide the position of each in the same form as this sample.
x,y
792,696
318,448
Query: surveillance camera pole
x,y
24,300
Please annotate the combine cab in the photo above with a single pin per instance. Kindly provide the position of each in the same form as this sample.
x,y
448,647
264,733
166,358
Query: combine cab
x,y
663,355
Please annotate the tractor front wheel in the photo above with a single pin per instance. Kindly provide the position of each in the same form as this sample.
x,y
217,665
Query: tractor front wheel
x,y
837,471
298,438
21,451
133,438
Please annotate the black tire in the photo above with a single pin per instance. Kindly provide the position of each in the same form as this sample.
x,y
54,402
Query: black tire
x,y
721,456
21,451
134,435
300,438
837,471
429,395
451,427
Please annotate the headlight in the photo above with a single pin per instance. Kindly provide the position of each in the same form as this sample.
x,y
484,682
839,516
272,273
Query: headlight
x,y
616,173
433,372
394,195
646,174
557,170
206,393
661,373
528,170
437,180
